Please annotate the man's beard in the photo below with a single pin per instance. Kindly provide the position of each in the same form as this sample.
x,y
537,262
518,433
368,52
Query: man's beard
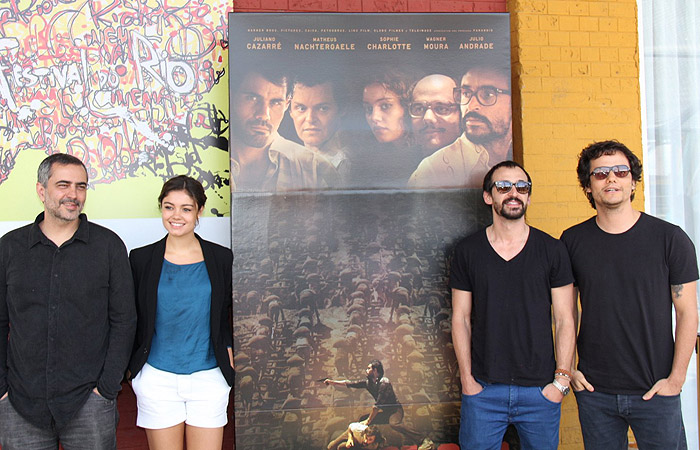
x,y
511,214
483,138
54,209
251,139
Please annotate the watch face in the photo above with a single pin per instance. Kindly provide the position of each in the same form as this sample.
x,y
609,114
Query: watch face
x,y
563,389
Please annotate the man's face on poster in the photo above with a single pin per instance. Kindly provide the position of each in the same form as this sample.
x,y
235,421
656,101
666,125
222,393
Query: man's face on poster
x,y
315,113
371,372
484,122
438,126
258,108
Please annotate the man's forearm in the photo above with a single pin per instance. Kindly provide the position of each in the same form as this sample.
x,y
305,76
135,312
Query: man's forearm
x,y
564,312
462,332
461,340
565,343
686,335
685,303
373,414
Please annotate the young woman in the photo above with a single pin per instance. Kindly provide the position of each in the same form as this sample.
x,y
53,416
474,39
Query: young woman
x,y
385,102
182,364
391,158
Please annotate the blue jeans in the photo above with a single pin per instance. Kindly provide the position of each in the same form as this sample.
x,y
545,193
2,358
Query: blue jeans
x,y
486,415
94,427
656,423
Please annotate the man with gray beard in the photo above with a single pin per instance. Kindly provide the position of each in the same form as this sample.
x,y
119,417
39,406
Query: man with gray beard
x,y
67,321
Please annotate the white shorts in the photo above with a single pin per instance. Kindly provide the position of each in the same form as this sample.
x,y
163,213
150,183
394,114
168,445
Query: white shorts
x,y
166,399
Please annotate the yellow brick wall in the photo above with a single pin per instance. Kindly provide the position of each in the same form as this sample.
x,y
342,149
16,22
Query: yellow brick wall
x,y
575,81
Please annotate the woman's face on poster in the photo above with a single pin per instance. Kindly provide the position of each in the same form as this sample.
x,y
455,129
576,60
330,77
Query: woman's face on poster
x,y
384,113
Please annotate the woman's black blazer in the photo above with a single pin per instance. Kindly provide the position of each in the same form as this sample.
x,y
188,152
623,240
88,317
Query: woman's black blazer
x,y
146,265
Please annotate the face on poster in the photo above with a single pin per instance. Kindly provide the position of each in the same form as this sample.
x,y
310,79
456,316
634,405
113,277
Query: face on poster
x,y
349,159
367,101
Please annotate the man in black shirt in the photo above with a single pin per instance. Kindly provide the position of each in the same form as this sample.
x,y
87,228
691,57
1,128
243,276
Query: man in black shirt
x,y
631,270
67,321
507,281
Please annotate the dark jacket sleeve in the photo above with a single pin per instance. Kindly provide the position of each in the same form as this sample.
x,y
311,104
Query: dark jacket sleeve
x,y
222,297
4,321
141,260
228,304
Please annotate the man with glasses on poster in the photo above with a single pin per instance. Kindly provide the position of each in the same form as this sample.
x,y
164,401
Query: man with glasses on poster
x,y
435,117
485,102
631,270
508,282
261,159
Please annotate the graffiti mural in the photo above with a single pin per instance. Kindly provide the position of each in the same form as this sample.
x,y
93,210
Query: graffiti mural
x,y
133,88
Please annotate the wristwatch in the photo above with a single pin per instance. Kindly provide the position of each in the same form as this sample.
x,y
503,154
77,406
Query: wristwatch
x,y
563,389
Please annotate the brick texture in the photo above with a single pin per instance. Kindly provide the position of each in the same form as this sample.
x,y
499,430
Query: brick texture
x,y
578,72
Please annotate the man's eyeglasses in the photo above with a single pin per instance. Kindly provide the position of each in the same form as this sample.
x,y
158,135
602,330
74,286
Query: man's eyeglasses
x,y
418,109
602,172
485,95
503,187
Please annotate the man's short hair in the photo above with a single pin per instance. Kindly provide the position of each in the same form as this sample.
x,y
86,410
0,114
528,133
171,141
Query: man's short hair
x,y
274,75
488,179
43,173
311,79
377,364
598,149
488,66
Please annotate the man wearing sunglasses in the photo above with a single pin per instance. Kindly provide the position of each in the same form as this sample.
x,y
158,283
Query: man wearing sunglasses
x,y
485,105
631,270
508,281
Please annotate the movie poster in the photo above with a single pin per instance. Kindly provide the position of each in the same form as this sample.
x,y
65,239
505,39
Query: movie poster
x,y
358,147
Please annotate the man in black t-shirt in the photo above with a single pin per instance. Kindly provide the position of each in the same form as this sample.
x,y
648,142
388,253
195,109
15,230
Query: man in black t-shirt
x,y
507,281
632,270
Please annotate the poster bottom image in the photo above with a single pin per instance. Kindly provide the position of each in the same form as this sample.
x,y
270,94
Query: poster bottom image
x,y
340,303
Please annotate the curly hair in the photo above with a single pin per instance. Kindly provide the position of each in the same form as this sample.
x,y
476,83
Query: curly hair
x,y
598,149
